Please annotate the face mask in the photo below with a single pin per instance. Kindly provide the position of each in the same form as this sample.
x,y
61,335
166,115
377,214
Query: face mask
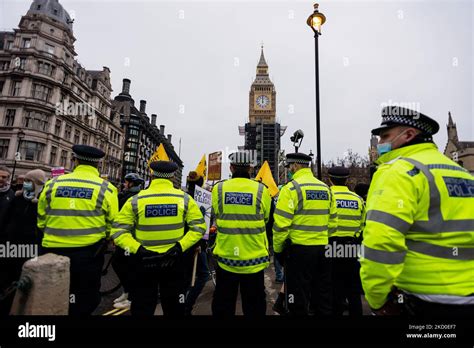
x,y
5,188
387,147
28,186
290,175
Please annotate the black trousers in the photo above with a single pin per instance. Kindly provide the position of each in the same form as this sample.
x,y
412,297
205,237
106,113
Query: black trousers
x,y
308,280
145,291
85,271
124,268
346,279
419,308
252,292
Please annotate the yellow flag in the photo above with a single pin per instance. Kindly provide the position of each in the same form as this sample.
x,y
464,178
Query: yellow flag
x,y
265,176
159,155
201,168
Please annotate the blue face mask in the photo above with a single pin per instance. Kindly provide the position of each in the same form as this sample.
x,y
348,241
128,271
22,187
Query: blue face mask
x,y
28,186
387,147
290,175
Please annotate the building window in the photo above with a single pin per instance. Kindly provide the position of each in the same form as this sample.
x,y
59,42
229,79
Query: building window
x,y
63,159
52,158
31,151
10,117
49,48
77,135
4,148
57,128
134,132
85,139
26,43
71,162
36,120
1,87
20,63
9,45
45,68
41,92
67,132
4,65
16,88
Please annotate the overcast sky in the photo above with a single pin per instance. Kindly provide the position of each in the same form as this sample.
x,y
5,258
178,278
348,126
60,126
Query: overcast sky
x,y
194,62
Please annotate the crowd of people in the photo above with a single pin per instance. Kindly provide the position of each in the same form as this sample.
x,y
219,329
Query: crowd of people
x,y
413,229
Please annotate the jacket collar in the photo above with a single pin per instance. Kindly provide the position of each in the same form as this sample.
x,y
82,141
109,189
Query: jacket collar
x,y
340,188
161,182
302,173
405,152
82,168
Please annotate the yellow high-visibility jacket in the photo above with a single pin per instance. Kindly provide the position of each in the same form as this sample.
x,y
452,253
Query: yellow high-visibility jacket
x,y
241,207
155,218
419,233
76,209
305,211
350,212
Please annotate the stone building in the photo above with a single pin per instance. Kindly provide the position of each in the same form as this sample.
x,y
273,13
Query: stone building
x,y
461,152
142,136
49,101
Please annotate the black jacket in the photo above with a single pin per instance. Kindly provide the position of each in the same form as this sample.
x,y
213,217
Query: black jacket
x,y
124,196
20,225
6,199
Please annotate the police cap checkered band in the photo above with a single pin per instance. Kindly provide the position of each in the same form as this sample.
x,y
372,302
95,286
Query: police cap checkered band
x,y
398,116
163,169
87,153
298,157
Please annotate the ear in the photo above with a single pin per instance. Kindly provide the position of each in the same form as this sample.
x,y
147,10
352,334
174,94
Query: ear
x,y
232,169
411,133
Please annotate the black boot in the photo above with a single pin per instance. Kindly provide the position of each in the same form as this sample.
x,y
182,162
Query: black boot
x,y
279,305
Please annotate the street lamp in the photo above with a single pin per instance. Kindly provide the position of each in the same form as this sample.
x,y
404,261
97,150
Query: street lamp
x,y
20,136
315,21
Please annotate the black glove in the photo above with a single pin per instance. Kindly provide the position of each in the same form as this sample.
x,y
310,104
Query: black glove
x,y
148,258
171,256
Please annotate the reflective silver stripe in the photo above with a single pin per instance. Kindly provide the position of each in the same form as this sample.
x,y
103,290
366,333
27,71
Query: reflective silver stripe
x,y
74,231
313,212
452,253
161,195
278,229
196,222
435,223
158,242
259,197
156,228
446,167
100,197
219,198
83,181
347,229
123,226
242,217
309,228
382,256
135,205
349,217
466,225
300,196
283,213
198,229
48,196
348,193
228,230
81,213
308,184
119,233
332,230
333,216
388,219
186,204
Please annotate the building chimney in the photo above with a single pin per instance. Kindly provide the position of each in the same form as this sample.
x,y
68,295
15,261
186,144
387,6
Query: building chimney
x,y
142,106
169,138
162,129
126,86
153,119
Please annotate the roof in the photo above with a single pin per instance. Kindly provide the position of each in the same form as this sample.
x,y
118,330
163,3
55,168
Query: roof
x,y
52,9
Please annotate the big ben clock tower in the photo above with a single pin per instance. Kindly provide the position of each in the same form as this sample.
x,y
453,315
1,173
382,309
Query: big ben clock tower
x,y
262,132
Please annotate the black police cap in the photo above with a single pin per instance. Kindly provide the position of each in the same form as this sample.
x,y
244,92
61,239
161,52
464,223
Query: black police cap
x,y
297,157
87,153
339,172
163,169
393,116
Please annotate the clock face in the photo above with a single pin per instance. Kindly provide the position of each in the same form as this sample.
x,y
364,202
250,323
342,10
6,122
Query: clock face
x,y
262,101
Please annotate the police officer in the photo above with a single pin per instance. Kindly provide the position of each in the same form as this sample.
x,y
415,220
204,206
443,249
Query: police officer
x,y
241,207
151,225
419,234
305,211
75,213
345,268
133,183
